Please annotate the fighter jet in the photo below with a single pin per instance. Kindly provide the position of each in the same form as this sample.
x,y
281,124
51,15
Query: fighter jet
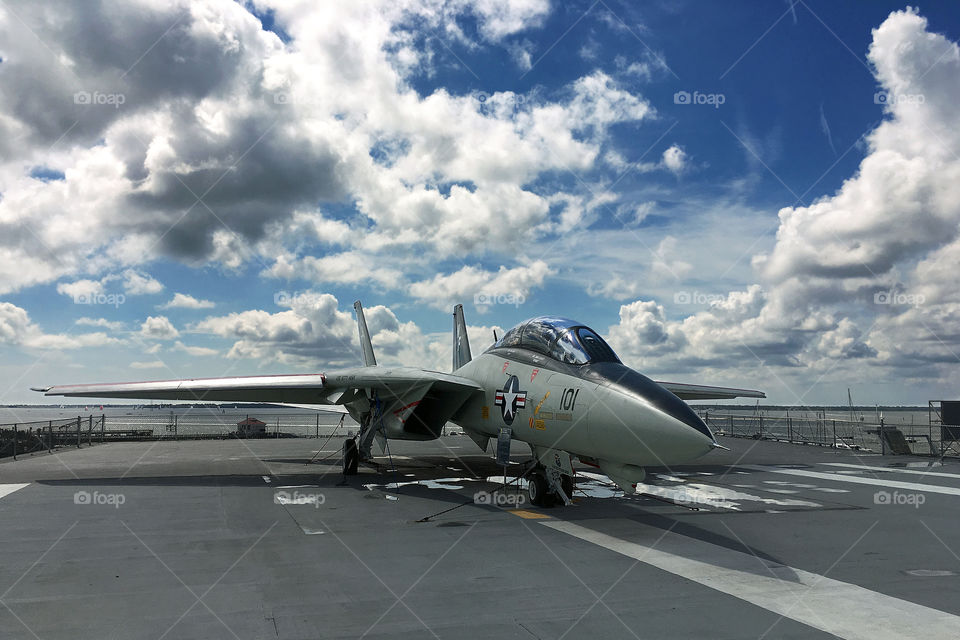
x,y
550,382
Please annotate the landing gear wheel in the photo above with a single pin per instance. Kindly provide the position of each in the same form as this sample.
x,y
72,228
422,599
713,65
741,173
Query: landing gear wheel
x,y
351,457
538,491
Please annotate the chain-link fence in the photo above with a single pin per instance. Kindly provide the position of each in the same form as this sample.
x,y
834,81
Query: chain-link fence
x,y
841,434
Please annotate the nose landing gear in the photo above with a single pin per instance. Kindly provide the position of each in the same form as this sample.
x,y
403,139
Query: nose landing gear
x,y
547,487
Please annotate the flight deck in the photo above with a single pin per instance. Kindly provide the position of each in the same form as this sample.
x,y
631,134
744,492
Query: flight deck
x,y
249,539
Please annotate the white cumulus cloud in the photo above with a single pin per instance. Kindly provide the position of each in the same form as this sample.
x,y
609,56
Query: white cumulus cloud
x,y
865,276
158,328
186,301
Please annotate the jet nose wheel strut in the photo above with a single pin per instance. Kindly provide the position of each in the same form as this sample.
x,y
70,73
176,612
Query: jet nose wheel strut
x,y
546,488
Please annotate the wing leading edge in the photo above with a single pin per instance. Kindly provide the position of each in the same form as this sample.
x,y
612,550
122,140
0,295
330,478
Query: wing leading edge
x,y
335,387
318,388
403,402
704,392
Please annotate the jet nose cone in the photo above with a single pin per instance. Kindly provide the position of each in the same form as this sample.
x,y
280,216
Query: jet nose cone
x,y
651,394
689,432
683,413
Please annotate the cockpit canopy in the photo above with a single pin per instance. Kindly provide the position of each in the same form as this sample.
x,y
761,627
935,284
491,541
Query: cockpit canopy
x,y
559,338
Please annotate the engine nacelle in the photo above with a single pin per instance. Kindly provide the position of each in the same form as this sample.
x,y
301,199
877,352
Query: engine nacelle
x,y
419,412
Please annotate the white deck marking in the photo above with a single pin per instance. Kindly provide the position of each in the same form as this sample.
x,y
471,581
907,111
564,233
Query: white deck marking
x,y
808,598
877,482
934,474
7,489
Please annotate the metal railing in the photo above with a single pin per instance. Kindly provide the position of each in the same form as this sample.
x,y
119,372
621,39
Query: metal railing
x,y
24,438
828,432
46,435
31,437
206,425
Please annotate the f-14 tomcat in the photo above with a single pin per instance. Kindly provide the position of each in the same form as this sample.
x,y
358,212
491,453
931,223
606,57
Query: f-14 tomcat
x,y
549,382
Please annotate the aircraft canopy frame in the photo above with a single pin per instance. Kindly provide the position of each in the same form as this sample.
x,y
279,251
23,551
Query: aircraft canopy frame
x,y
559,338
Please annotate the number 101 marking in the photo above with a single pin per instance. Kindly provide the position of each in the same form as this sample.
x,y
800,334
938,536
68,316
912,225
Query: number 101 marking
x,y
569,399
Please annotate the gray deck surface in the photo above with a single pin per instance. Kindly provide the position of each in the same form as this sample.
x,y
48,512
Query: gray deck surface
x,y
202,546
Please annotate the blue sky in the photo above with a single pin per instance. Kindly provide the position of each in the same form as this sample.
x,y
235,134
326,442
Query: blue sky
x,y
723,189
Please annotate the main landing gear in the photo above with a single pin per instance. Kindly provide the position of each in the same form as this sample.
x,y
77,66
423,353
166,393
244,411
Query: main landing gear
x,y
547,487
357,450
351,457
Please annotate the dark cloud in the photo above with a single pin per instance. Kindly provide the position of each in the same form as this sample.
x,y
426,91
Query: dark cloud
x,y
74,68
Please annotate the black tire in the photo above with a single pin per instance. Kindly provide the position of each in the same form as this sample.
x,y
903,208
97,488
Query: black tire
x,y
538,491
351,457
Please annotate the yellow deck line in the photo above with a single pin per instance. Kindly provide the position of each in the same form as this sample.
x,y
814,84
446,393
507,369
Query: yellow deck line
x,y
529,515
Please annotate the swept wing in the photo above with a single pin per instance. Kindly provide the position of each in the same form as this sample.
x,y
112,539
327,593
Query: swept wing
x,y
704,392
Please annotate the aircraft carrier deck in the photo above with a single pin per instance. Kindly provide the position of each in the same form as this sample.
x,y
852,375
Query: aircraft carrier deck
x,y
243,539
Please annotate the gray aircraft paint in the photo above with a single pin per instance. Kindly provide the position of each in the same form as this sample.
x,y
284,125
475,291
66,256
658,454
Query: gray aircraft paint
x,y
590,406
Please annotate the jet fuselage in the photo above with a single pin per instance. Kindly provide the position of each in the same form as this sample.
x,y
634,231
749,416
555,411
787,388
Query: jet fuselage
x,y
603,411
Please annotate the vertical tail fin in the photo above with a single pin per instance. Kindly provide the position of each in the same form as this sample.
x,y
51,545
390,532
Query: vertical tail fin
x,y
461,345
369,360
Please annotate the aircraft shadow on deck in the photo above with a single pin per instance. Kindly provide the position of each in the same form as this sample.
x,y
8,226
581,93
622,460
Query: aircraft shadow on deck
x,y
446,497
